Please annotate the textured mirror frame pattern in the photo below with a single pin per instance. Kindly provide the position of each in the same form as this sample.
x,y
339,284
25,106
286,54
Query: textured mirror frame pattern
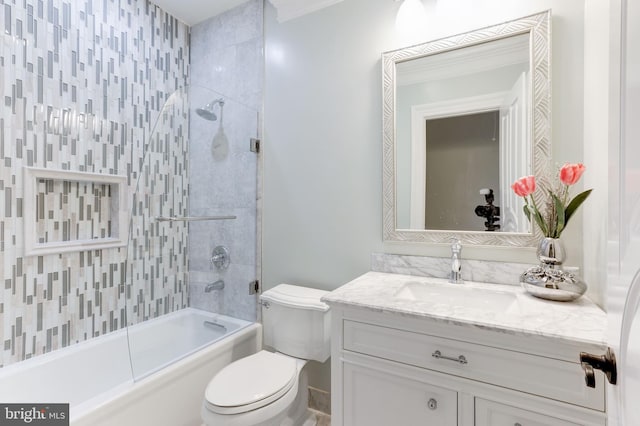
x,y
539,28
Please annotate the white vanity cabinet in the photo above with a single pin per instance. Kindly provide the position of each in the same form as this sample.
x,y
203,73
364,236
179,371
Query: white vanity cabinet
x,y
489,413
421,363
389,370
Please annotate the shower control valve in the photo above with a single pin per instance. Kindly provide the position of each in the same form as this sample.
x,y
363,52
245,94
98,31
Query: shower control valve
x,y
220,258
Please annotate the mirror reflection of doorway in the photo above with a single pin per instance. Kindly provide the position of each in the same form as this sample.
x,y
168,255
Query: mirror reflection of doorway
x,y
506,118
460,150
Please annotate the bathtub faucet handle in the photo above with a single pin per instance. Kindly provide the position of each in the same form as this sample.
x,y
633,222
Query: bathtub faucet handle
x,y
220,258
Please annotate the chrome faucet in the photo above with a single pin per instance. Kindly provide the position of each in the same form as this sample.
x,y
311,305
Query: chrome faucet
x,y
456,266
218,285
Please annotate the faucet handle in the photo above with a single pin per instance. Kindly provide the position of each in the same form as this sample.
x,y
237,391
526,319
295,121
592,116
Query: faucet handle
x,y
456,265
456,245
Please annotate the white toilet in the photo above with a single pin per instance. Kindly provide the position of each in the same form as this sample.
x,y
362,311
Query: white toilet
x,y
270,388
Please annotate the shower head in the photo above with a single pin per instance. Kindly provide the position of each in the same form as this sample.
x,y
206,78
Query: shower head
x,y
207,112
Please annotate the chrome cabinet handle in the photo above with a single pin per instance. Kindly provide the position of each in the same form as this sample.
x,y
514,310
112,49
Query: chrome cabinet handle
x,y
461,359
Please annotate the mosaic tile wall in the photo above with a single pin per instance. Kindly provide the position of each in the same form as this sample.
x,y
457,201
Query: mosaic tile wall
x,y
227,63
84,86
68,211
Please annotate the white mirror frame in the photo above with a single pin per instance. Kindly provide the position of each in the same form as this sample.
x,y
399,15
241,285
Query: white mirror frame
x,y
539,28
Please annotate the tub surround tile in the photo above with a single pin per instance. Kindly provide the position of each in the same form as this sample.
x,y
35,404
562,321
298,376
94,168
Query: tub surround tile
x,y
83,88
439,267
226,62
237,302
238,235
224,184
198,298
580,321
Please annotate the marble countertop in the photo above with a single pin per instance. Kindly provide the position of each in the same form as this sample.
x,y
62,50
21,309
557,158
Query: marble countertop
x,y
515,311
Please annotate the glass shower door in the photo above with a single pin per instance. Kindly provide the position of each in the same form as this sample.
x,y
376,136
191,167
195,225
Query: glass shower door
x,y
223,182
157,258
196,196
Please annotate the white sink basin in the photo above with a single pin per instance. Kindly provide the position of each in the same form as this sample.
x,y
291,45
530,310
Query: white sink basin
x,y
456,295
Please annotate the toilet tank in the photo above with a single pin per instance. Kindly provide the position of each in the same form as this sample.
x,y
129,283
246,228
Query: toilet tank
x,y
295,322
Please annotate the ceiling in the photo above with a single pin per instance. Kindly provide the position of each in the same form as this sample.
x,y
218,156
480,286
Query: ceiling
x,y
192,12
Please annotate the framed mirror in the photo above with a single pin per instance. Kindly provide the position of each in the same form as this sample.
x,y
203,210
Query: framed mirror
x,y
463,118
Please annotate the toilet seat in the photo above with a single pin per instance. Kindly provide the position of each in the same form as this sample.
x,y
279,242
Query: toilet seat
x,y
270,375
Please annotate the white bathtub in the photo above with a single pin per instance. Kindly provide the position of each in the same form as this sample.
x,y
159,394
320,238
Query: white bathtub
x,y
95,377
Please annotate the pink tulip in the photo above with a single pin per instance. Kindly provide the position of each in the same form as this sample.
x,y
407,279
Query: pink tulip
x,y
570,173
524,186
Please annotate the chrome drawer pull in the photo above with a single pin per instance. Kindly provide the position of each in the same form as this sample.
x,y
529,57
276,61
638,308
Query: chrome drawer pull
x,y
461,359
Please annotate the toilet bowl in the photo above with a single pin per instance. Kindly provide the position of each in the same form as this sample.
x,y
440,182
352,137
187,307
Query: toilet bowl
x,y
270,388
271,396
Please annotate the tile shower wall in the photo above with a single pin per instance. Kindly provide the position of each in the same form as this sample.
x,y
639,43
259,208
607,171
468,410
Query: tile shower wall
x,y
226,62
82,84
86,202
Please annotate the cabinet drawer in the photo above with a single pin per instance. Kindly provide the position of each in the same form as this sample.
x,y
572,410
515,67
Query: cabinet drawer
x,y
546,377
490,413
377,398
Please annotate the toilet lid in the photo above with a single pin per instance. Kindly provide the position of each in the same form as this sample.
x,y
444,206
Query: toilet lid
x,y
251,383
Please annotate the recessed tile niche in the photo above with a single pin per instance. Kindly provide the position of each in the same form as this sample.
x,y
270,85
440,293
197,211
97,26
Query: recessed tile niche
x,y
67,211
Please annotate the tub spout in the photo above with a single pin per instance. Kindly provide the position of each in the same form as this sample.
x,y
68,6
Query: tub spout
x,y
218,285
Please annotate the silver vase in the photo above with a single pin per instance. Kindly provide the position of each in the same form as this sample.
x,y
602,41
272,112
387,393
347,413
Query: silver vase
x,y
548,280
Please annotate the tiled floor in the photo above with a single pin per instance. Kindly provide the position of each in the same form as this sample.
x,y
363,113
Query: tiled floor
x,y
323,419
319,401
317,418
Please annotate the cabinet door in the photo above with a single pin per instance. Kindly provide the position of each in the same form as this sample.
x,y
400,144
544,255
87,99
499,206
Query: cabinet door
x,y
372,397
489,413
